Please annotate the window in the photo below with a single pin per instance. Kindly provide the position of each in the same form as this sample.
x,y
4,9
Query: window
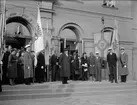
x,y
109,3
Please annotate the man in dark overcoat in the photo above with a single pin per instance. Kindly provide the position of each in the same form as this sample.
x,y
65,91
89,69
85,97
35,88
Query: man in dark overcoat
x,y
123,70
112,63
0,75
5,64
64,62
54,66
28,65
40,67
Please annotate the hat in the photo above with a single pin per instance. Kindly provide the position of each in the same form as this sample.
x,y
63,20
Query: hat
x,y
65,49
97,52
84,53
122,48
109,48
27,46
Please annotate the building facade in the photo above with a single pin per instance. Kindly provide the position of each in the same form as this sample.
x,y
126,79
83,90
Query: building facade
x,y
83,25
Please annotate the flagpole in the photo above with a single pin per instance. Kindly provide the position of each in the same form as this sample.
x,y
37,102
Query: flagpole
x,y
116,29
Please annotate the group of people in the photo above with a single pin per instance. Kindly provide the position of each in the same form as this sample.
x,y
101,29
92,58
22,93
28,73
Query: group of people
x,y
76,68
18,66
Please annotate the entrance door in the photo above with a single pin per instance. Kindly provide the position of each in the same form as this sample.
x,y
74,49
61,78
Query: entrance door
x,y
69,44
16,42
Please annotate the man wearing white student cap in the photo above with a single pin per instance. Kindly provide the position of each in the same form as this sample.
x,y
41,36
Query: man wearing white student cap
x,y
28,65
123,72
98,63
112,63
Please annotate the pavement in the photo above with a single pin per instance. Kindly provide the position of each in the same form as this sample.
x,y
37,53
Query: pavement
x,y
74,93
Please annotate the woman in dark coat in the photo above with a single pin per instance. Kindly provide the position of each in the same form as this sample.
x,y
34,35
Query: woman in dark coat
x,y
84,63
64,62
12,67
40,68
75,66
20,66
91,62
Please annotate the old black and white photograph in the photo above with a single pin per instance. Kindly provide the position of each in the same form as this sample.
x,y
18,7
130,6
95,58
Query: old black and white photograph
x,y
68,52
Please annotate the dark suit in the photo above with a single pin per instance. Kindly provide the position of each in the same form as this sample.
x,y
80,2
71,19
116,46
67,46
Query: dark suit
x,y
54,67
112,63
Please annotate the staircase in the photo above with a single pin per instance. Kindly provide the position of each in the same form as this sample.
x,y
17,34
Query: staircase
x,y
58,90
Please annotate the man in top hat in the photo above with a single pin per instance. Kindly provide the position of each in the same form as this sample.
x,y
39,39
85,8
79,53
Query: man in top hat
x,y
123,71
28,65
112,63
64,62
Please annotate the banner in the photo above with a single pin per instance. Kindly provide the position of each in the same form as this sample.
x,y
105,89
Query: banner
x,y
39,42
115,39
97,37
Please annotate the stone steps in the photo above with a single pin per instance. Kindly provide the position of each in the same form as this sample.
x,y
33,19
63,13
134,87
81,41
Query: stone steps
x,y
74,88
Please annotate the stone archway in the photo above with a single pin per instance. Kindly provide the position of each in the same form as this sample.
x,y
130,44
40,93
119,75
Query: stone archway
x,y
25,22
78,31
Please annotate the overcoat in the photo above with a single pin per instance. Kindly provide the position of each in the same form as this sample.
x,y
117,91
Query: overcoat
x,y
64,62
112,62
28,65
75,65
40,68
98,63
123,60
20,66
91,62
12,66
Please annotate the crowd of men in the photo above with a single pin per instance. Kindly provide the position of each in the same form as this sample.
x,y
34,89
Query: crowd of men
x,y
17,66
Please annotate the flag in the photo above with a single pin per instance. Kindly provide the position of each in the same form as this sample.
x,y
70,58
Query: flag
x,y
47,45
39,42
2,22
115,39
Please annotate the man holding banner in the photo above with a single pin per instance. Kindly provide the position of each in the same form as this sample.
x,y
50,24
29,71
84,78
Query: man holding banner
x,y
114,45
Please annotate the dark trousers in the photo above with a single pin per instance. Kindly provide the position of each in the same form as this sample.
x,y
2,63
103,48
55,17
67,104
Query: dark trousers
x,y
98,74
113,73
84,74
27,81
64,80
123,78
54,72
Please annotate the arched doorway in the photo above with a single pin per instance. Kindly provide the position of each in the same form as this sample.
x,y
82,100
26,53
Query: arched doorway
x,y
70,37
18,32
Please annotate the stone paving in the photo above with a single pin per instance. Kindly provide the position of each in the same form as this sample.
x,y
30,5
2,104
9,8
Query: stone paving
x,y
127,97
